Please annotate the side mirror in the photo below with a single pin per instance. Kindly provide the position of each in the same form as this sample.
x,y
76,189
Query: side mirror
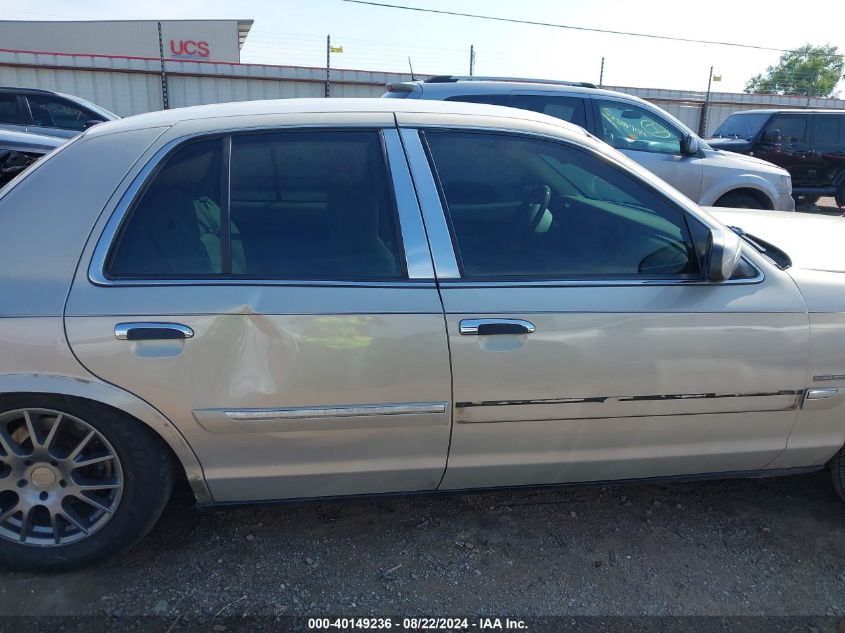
x,y
689,145
725,250
771,136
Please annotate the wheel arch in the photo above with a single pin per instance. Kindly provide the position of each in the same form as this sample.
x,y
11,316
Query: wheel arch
x,y
123,401
757,194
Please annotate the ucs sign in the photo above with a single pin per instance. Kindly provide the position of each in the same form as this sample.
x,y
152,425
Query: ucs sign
x,y
189,47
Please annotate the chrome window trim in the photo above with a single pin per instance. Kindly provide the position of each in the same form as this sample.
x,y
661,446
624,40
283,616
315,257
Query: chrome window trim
x,y
420,274
414,240
433,213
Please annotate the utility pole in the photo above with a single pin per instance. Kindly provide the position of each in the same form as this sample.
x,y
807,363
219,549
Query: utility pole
x,y
702,122
328,63
601,73
471,59
164,100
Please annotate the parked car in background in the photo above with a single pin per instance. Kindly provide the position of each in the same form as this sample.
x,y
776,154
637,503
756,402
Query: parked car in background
x,y
641,130
809,144
18,150
305,298
50,113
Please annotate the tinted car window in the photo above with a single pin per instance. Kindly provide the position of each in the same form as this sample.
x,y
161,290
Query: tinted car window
x,y
829,132
51,112
567,108
488,99
529,208
10,112
744,126
174,228
314,205
793,129
627,126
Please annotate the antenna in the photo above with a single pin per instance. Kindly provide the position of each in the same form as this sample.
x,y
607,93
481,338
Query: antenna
x,y
411,66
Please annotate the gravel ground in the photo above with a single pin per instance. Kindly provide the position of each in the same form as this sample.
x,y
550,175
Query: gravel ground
x,y
827,206
726,548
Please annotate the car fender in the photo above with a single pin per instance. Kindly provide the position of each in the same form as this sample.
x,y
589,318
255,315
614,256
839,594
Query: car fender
x,y
722,186
105,393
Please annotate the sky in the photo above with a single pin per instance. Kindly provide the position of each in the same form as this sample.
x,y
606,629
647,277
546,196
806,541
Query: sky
x,y
293,32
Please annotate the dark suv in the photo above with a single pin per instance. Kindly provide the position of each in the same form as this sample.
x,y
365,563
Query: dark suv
x,y
809,144
48,113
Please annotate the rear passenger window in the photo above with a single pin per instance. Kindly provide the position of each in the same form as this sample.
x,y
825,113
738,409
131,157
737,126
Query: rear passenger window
x,y
567,108
299,205
313,205
829,132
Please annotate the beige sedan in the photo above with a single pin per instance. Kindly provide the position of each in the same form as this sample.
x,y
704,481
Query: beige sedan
x,y
310,298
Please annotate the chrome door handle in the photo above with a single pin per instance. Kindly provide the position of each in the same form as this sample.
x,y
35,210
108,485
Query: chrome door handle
x,y
151,331
487,327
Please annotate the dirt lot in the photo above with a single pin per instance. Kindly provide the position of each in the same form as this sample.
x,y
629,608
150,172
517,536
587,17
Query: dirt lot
x,y
743,547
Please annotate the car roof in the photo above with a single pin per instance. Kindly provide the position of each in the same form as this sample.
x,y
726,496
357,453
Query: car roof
x,y
40,91
790,111
243,114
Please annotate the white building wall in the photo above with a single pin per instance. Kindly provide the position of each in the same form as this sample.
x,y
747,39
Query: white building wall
x,y
129,86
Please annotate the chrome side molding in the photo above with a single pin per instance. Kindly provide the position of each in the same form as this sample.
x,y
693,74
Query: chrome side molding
x,y
300,413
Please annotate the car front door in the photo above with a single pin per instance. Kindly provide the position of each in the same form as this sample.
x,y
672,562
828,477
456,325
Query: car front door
x,y
299,347
650,140
586,344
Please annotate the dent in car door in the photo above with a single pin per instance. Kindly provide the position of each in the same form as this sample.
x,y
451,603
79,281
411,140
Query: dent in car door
x,y
286,382
610,375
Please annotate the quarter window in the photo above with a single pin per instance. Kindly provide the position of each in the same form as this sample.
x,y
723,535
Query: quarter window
x,y
297,205
628,126
10,112
529,208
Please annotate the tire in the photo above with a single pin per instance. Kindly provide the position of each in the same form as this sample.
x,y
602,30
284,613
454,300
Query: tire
x,y
131,481
806,202
739,201
837,473
840,195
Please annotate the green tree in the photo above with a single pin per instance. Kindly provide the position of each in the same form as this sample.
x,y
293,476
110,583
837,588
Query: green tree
x,y
810,71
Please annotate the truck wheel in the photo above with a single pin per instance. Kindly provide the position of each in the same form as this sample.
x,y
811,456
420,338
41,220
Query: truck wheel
x,y
78,481
739,201
840,195
837,473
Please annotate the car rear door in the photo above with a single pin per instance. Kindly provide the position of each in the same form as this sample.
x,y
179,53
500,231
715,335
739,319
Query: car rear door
x,y
585,343
651,140
300,347
790,149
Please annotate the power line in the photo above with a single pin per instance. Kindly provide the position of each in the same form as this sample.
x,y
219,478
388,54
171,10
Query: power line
x,y
575,28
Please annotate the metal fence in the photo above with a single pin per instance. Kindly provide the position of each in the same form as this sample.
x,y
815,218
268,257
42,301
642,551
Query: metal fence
x,y
132,85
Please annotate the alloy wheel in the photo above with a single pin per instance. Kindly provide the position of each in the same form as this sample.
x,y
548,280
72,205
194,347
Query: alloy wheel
x,y
60,478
